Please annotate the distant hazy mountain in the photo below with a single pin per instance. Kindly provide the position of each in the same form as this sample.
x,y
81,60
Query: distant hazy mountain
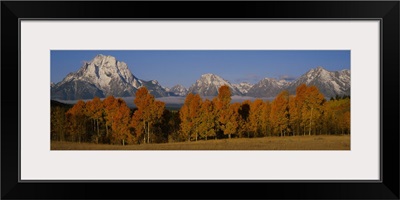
x,y
179,90
268,87
102,76
329,83
243,87
208,85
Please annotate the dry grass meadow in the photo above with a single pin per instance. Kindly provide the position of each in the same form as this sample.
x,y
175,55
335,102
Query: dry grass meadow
x,y
318,142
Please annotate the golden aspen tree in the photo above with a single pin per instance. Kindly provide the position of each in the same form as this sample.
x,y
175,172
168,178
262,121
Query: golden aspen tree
x,y
194,113
332,116
224,97
340,112
76,120
138,125
222,103
265,118
186,121
207,119
216,112
94,110
190,116
120,124
232,123
312,107
280,113
297,106
143,101
255,116
148,112
109,109
294,113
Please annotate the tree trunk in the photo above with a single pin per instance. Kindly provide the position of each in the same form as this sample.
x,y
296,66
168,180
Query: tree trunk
x,y
123,142
148,132
229,136
106,130
309,132
98,133
196,131
144,135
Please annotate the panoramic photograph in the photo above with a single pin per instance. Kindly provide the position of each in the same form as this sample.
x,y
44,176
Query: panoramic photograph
x,y
200,100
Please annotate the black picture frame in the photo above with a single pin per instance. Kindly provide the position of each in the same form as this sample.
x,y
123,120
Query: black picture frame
x,y
386,11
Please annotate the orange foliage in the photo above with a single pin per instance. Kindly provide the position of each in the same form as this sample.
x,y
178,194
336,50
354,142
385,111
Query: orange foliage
x,y
307,111
148,113
280,113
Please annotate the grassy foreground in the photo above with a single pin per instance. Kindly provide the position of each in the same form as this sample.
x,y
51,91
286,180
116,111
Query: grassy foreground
x,y
319,142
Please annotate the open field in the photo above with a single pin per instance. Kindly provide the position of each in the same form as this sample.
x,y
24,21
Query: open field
x,y
319,142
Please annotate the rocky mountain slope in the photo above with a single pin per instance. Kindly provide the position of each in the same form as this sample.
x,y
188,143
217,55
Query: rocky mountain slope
x,y
102,76
208,85
105,75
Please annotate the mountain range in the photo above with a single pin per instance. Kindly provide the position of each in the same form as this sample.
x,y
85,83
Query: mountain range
x,y
208,85
105,75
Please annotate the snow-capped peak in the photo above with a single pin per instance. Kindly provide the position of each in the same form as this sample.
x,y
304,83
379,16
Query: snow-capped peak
x,y
283,82
103,70
212,79
331,83
179,90
209,84
319,73
100,59
104,75
243,87
154,81
267,87
207,74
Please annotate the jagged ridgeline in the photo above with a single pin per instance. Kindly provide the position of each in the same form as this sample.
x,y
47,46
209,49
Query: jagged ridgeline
x,y
105,75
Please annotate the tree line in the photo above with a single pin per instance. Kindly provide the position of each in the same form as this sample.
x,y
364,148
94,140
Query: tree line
x,y
111,121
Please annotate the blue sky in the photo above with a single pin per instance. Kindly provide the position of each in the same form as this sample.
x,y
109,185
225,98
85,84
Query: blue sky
x,y
171,67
